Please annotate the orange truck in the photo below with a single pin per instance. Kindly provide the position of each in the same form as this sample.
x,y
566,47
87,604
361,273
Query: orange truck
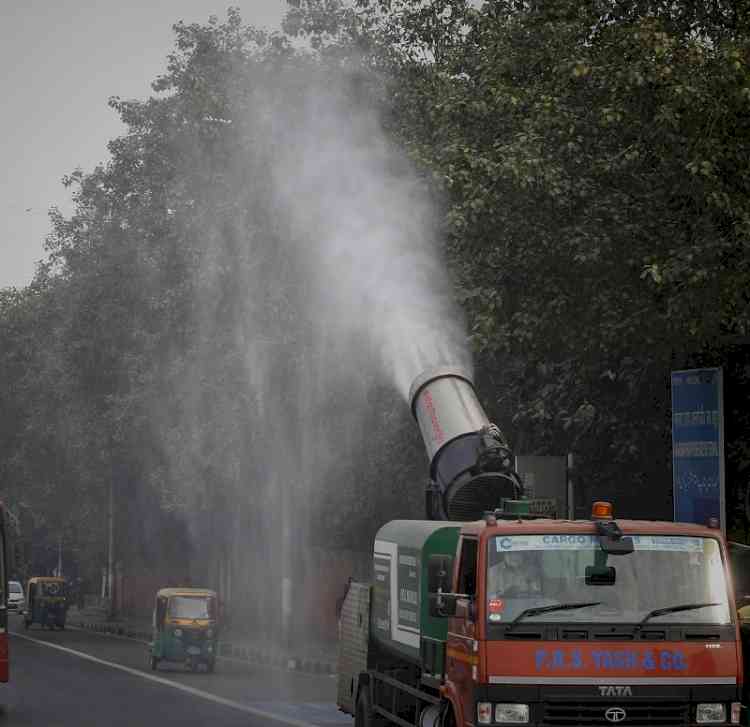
x,y
508,618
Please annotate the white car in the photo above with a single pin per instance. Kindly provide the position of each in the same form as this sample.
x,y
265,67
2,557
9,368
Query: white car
x,y
16,600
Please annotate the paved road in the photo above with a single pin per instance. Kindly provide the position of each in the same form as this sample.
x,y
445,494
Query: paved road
x,y
78,678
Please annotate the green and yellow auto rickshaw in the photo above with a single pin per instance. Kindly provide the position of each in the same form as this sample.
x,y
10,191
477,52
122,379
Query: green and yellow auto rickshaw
x,y
46,602
185,628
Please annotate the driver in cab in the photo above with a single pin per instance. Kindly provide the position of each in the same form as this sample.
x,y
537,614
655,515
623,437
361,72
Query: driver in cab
x,y
516,575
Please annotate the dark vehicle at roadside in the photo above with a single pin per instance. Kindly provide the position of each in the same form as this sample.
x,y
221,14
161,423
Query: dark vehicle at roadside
x,y
46,602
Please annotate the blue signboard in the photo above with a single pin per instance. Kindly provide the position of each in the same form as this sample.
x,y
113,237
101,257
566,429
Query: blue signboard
x,y
698,446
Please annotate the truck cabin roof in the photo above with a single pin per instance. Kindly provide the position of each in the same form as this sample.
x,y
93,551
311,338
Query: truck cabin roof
x,y
644,527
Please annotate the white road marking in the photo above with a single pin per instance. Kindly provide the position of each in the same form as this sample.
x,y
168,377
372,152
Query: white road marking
x,y
174,685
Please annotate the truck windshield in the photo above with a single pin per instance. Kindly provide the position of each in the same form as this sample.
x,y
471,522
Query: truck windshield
x,y
533,571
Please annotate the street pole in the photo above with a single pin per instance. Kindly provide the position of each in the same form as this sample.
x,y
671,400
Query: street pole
x,y
571,490
59,557
111,543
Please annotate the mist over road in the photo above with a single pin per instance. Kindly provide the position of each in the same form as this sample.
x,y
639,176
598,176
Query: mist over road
x,y
108,682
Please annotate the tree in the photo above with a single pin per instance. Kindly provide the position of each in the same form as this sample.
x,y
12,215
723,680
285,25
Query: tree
x,y
597,198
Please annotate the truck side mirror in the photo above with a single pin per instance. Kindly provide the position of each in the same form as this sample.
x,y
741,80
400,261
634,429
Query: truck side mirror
x,y
600,575
617,546
439,573
442,605
611,539
439,576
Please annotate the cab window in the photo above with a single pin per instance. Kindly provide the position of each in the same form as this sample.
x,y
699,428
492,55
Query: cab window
x,y
467,571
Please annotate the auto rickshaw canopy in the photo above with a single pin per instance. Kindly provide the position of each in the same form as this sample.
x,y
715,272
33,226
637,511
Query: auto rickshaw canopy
x,y
52,585
169,592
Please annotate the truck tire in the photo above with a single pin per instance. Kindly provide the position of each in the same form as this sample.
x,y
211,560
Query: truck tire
x,y
363,714
449,719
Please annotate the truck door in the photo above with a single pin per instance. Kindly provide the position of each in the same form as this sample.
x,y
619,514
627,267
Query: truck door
x,y
461,658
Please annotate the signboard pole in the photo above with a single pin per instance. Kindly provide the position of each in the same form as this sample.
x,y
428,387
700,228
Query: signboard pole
x,y
722,464
571,494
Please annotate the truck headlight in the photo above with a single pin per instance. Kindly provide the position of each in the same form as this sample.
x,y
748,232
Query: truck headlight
x,y
484,712
710,713
512,713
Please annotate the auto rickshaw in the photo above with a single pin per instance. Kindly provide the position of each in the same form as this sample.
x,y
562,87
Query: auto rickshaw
x,y
185,628
46,602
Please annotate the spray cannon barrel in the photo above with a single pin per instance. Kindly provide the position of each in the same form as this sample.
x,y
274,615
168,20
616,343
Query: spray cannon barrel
x,y
471,465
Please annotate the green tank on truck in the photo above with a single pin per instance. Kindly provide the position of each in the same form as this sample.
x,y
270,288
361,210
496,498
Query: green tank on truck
x,y
400,620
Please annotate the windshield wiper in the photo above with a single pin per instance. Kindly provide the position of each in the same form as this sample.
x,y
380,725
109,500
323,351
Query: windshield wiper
x,y
675,609
552,607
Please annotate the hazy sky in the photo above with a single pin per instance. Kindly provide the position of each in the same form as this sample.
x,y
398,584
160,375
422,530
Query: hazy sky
x,y
60,60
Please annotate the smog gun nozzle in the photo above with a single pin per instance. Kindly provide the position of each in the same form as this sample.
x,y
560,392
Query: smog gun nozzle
x,y
471,463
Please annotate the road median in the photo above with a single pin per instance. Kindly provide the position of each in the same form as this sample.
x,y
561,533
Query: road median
x,y
231,649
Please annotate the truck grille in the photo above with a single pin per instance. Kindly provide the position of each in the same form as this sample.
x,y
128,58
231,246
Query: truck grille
x,y
645,714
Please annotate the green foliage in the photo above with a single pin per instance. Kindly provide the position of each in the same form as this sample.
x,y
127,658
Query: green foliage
x,y
593,158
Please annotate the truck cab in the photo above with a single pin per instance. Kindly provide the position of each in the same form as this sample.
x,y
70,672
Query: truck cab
x,y
543,622
548,627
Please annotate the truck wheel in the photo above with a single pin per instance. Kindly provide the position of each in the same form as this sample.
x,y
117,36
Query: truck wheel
x,y
364,716
448,717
